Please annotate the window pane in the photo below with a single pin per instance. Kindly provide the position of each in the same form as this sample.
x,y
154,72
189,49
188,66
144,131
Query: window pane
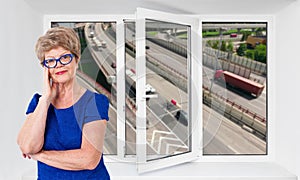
x,y
234,88
167,72
96,70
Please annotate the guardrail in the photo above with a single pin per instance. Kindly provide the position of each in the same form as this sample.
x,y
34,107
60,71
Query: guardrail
x,y
235,112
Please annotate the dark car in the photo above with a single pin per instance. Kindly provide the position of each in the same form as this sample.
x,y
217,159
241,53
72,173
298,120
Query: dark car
x,y
113,65
182,117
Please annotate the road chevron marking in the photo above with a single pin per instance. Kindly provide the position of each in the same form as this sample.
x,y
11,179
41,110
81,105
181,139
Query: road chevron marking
x,y
164,138
157,131
175,145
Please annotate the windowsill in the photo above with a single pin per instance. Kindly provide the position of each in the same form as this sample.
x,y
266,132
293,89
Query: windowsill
x,y
203,171
199,171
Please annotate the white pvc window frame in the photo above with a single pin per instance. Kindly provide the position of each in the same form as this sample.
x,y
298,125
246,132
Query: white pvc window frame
x,y
194,80
197,77
270,144
120,59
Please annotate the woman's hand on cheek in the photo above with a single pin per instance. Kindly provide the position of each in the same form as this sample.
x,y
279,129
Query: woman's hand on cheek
x,y
50,87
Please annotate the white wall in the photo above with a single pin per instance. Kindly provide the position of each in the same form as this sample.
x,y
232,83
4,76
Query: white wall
x,y
20,77
288,87
20,26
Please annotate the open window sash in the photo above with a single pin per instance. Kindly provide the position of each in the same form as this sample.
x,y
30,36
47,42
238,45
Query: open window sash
x,y
168,70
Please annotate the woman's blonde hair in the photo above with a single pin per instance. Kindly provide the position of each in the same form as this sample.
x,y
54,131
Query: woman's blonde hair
x,y
55,37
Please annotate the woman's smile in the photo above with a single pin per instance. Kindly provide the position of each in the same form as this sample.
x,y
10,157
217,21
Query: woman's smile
x,y
61,72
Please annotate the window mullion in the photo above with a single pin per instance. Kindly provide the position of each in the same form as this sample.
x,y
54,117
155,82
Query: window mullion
x,y
140,84
120,58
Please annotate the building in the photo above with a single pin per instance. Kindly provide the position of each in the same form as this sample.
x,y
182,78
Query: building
x,y
253,41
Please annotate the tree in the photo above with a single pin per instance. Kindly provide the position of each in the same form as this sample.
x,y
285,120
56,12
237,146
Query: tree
x,y
209,43
215,45
241,50
230,46
223,46
259,31
245,35
261,53
250,54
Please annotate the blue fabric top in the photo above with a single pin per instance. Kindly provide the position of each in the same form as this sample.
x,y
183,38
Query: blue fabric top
x,y
64,132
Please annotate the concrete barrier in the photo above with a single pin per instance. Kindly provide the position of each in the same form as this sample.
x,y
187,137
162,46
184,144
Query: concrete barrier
x,y
234,112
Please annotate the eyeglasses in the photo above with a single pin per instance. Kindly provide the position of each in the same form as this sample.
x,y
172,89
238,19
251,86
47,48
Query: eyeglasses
x,y
64,60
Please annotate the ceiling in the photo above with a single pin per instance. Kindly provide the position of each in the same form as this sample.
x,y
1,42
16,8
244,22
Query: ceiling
x,y
174,6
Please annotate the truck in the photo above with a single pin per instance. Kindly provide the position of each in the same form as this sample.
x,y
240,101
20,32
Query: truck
x,y
131,79
239,82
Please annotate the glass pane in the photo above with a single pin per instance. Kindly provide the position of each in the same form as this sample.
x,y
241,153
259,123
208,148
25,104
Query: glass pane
x,y
167,72
96,70
234,88
130,77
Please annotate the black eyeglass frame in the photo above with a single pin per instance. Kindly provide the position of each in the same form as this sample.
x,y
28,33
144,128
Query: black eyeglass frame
x,y
58,59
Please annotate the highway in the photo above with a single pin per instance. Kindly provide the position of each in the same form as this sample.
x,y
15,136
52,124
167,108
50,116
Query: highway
x,y
165,135
256,105
222,136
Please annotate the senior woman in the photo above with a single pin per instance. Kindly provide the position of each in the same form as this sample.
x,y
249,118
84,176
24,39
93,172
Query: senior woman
x,y
65,125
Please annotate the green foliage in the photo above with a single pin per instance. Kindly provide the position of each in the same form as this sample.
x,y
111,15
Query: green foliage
x,y
182,36
259,31
223,46
215,45
152,33
229,47
230,31
261,47
245,35
245,30
209,43
241,50
261,53
210,34
250,54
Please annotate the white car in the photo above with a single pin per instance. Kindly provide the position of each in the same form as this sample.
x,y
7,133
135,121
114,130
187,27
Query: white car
x,y
149,89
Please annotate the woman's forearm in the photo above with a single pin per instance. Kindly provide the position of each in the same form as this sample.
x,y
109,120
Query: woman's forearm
x,y
85,158
77,159
31,136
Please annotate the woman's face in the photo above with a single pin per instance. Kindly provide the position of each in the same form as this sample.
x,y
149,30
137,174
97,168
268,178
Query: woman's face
x,y
61,73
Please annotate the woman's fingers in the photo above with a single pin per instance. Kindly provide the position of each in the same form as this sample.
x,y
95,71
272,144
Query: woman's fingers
x,y
26,156
47,85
